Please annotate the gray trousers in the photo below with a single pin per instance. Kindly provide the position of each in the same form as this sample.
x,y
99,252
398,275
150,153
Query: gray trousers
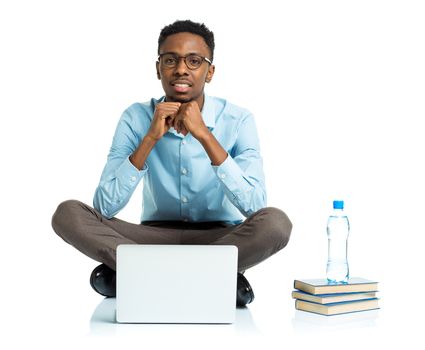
x,y
260,236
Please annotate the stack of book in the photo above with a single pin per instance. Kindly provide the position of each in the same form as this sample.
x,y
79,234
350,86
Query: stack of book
x,y
318,296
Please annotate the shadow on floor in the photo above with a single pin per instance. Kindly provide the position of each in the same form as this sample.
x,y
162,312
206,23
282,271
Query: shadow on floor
x,y
307,322
103,323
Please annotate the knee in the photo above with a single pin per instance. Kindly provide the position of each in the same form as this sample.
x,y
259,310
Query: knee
x,y
277,225
64,215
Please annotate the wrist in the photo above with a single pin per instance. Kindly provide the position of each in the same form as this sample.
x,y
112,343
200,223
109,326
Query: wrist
x,y
139,156
204,136
149,139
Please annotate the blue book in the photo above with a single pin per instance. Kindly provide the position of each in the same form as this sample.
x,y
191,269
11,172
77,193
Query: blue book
x,y
337,308
332,298
321,286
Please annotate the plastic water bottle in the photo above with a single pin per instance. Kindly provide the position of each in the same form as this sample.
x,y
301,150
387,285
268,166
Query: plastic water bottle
x,y
338,229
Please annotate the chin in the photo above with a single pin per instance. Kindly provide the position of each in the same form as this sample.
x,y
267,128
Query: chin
x,y
181,99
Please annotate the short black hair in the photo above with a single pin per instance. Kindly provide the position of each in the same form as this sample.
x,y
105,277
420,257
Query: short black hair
x,y
190,27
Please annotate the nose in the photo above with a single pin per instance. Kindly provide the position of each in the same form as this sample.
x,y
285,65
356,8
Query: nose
x,y
181,68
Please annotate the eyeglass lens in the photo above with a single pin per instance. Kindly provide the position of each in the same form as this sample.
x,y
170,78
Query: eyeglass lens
x,y
192,61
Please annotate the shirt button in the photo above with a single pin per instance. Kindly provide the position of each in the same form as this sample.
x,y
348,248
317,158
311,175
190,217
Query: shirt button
x,y
184,199
184,171
223,176
133,178
183,142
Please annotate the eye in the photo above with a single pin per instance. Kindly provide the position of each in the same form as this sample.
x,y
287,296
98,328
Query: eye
x,y
195,61
169,61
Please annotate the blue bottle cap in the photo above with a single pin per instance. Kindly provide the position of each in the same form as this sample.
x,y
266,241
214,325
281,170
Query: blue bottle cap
x,y
338,204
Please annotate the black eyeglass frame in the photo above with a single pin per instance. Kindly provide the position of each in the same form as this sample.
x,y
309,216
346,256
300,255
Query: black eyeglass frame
x,y
185,57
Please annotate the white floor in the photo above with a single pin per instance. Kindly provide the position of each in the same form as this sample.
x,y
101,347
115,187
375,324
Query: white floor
x,y
47,301
52,305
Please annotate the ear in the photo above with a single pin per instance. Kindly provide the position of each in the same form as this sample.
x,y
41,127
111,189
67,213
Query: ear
x,y
210,73
157,70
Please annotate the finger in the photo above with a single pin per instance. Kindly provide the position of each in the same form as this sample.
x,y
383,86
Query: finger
x,y
170,121
168,113
175,121
181,126
168,108
169,104
165,106
176,125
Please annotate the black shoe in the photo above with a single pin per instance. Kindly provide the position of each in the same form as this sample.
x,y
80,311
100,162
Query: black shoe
x,y
245,294
103,281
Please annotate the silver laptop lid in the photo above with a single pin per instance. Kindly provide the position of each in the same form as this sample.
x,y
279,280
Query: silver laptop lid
x,y
176,283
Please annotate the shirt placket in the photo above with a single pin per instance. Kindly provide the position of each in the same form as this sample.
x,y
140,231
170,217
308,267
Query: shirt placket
x,y
184,180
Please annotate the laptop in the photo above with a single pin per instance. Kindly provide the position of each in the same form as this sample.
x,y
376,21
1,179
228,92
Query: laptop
x,y
176,283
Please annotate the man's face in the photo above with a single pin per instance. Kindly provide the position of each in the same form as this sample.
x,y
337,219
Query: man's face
x,y
180,83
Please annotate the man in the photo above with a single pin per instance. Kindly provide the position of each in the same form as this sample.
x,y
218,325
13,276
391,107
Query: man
x,y
200,161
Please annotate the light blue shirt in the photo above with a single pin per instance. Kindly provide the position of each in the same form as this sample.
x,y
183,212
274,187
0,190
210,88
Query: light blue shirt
x,y
179,181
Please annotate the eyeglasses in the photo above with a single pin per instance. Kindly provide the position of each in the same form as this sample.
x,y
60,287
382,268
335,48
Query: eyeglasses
x,y
170,60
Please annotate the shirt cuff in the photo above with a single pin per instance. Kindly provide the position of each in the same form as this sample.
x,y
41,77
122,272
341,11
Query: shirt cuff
x,y
129,175
232,177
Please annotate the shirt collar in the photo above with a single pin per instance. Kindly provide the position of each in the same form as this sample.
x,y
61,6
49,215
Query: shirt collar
x,y
208,112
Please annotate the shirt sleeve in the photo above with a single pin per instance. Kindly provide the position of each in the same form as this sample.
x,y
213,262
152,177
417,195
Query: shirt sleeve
x,y
120,177
241,174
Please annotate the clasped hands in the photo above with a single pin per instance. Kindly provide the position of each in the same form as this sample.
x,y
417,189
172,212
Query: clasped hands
x,y
183,117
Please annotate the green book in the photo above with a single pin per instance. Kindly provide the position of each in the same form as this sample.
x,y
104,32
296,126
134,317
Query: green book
x,y
332,298
321,286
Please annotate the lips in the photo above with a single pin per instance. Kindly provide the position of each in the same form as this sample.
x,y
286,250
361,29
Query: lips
x,y
181,86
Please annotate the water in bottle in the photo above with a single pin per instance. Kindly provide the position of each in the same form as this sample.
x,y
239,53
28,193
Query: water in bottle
x,y
338,229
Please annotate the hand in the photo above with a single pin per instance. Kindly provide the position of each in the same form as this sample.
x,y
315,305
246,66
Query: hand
x,y
163,118
189,119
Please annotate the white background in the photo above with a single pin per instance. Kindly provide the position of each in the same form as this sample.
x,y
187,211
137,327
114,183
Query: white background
x,y
337,88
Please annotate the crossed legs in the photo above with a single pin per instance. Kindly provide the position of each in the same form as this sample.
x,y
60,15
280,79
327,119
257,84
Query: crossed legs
x,y
260,236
